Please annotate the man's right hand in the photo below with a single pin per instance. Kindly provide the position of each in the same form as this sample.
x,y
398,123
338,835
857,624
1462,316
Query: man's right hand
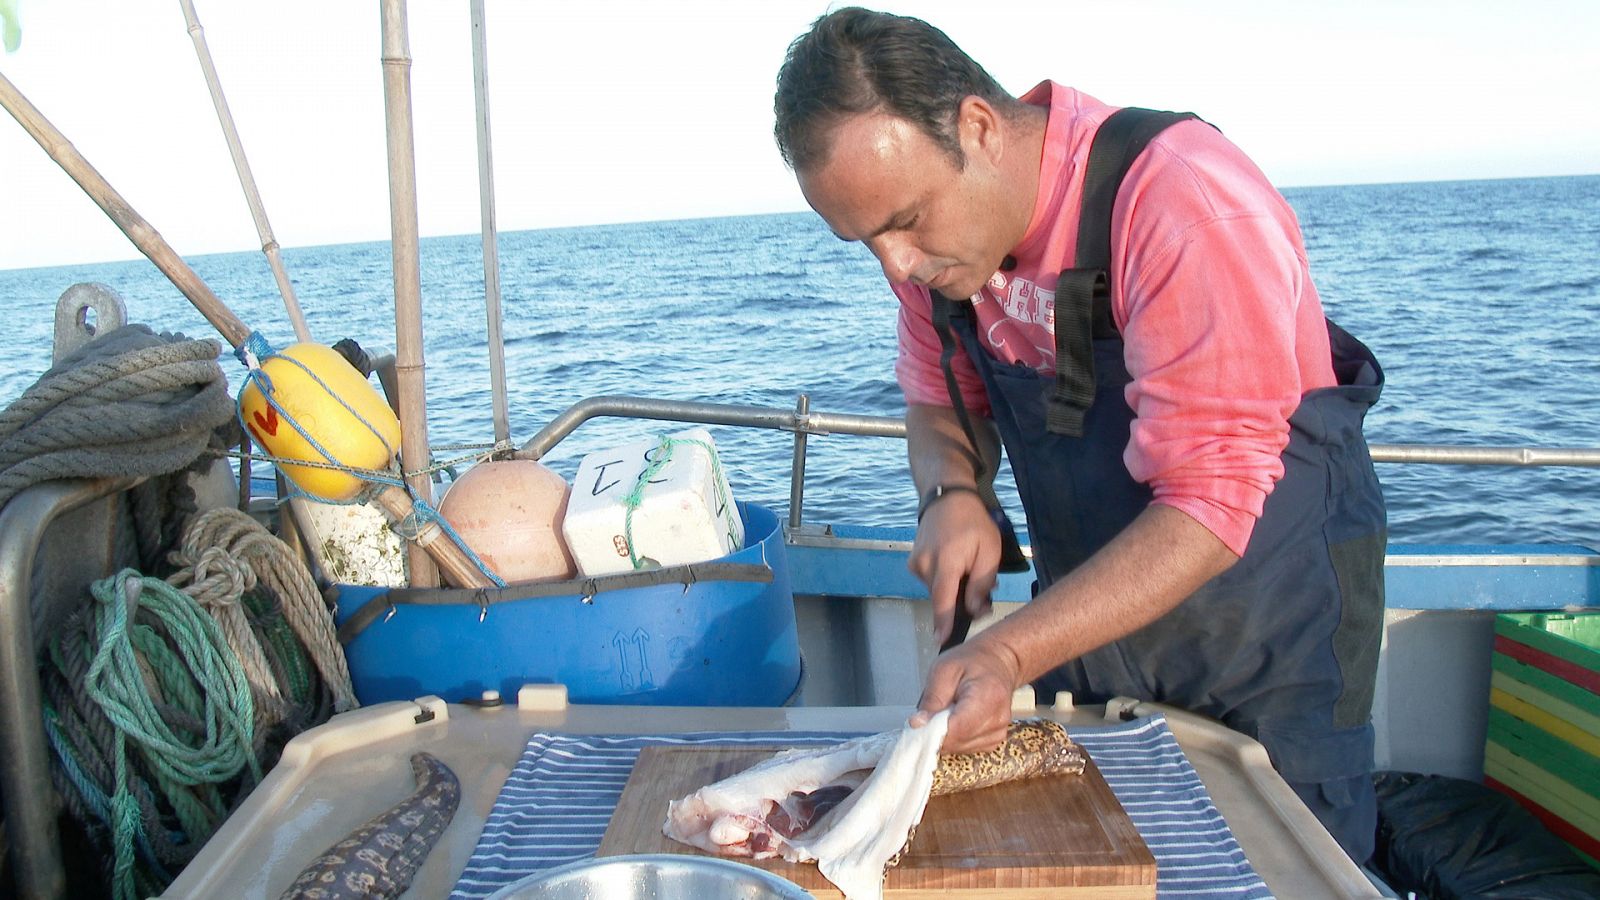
x,y
956,540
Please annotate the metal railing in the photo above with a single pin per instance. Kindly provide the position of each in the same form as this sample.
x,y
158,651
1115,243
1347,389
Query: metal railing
x,y
803,422
1457,455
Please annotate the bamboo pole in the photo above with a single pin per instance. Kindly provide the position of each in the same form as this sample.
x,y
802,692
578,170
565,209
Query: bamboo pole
x,y
143,236
247,181
409,362
491,253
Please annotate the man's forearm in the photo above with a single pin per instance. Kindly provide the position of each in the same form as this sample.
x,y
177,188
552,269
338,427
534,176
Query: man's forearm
x,y
1161,558
940,453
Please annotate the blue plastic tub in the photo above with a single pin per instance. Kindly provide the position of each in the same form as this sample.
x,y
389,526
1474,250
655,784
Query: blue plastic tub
x,y
698,640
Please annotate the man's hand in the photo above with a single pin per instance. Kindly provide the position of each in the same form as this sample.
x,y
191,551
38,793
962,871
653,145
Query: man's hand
x,y
957,542
1158,560
956,539
975,681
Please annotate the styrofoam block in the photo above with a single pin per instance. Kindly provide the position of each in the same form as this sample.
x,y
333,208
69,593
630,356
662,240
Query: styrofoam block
x,y
354,544
685,512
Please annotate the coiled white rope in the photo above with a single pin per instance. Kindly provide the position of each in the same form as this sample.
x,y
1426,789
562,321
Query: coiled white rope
x,y
224,554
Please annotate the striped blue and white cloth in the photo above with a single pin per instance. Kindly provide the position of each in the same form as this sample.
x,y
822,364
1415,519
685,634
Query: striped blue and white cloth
x,y
557,802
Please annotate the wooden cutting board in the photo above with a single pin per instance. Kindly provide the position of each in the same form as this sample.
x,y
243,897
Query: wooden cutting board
x,y
1062,836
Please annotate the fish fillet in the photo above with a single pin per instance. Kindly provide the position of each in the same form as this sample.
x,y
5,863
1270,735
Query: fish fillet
x,y
853,807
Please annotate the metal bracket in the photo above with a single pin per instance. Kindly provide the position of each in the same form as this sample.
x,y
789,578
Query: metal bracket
x,y
74,327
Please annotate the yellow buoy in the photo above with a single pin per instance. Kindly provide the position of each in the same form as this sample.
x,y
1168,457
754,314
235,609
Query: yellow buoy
x,y
341,428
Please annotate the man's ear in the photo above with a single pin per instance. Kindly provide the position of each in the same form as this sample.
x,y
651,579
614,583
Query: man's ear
x,y
978,127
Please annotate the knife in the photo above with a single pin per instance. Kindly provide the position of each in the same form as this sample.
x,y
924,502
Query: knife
x,y
962,622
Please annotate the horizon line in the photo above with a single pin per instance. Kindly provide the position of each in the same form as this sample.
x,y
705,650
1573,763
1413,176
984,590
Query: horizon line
x,y
135,256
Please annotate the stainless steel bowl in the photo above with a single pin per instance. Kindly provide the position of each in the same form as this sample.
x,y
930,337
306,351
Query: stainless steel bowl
x,y
663,876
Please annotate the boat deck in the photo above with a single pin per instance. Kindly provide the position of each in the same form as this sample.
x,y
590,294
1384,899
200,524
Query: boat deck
x,y
333,778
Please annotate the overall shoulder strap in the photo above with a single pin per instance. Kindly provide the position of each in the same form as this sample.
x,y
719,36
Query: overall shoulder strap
x,y
943,310
1083,295
1011,556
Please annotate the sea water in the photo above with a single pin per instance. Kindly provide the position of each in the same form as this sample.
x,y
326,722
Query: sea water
x,y
1481,300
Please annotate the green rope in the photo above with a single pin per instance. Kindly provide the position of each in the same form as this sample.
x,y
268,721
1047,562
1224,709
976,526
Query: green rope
x,y
174,818
295,669
632,499
117,682
196,805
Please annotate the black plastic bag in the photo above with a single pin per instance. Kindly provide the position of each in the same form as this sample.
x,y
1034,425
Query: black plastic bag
x,y
1446,838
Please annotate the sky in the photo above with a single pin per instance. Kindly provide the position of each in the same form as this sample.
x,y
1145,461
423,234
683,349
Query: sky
x,y
605,111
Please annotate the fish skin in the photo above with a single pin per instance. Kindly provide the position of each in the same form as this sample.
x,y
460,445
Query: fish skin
x,y
856,842
377,860
1032,748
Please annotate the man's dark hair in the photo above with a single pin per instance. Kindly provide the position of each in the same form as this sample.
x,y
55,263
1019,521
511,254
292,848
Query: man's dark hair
x,y
854,61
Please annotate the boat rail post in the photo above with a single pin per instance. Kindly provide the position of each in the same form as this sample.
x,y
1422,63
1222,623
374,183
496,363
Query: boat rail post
x,y
797,468
26,790
74,328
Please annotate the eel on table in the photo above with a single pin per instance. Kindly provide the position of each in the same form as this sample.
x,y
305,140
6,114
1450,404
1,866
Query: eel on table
x,y
377,860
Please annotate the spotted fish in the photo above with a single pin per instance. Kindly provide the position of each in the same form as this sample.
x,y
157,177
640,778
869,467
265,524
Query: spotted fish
x,y
1032,748
377,860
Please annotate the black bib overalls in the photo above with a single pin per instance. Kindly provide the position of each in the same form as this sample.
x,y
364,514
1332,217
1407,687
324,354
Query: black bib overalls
x,y
1284,645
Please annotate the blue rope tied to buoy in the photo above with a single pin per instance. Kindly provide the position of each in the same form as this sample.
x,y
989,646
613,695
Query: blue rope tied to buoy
x,y
253,351
212,679
663,455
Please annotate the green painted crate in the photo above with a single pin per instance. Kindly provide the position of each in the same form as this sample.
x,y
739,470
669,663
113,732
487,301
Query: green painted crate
x,y
1544,722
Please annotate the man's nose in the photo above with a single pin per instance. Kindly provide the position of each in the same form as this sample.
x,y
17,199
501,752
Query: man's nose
x,y
899,257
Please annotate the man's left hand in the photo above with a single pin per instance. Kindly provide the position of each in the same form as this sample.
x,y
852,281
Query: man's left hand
x,y
975,681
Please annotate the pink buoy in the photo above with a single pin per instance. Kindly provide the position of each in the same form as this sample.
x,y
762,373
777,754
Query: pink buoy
x,y
509,512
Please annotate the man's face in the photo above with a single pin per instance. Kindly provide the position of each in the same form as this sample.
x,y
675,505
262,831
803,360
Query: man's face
x,y
888,185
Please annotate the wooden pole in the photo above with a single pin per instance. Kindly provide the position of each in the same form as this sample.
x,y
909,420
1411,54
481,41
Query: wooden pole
x,y
409,363
143,236
247,181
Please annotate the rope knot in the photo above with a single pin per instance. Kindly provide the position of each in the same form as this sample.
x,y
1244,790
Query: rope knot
x,y
252,352
220,578
421,516
228,553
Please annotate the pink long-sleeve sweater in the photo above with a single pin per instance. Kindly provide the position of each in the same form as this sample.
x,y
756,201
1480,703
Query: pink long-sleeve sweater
x,y
1210,289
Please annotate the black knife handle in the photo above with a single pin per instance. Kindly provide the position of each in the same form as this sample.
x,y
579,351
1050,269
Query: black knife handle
x,y
962,621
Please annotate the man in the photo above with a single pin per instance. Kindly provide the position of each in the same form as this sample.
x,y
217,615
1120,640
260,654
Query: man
x,y
1208,531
